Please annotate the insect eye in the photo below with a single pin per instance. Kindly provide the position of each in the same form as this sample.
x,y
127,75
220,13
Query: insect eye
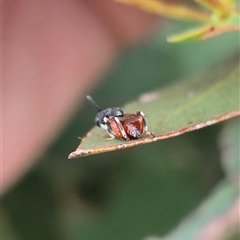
x,y
101,119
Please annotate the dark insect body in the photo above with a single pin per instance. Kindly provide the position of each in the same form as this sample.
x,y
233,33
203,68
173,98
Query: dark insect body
x,y
121,125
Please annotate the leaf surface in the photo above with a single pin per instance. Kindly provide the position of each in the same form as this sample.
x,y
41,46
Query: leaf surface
x,y
189,105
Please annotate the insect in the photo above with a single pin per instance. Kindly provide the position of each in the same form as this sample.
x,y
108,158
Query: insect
x,y
120,125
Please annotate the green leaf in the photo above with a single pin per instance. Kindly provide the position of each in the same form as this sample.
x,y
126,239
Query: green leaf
x,y
184,107
169,9
212,29
221,8
229,143
190,35
7,227
219,211
224,17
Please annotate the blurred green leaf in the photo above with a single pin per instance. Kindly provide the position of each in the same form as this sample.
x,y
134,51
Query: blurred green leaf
x,y
212,29
224,17
217,215
7,229
220,7
229,143
184,107
169,9
191,35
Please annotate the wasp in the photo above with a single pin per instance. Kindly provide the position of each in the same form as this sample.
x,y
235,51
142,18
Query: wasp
x,y
125,126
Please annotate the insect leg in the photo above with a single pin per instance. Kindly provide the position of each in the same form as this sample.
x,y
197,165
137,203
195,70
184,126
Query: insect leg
x,y
120,126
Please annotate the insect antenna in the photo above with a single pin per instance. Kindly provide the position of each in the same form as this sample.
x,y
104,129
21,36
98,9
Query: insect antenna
x,y
89,98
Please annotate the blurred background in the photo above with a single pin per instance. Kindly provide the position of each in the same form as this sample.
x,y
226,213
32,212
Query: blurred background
x,y
132,193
